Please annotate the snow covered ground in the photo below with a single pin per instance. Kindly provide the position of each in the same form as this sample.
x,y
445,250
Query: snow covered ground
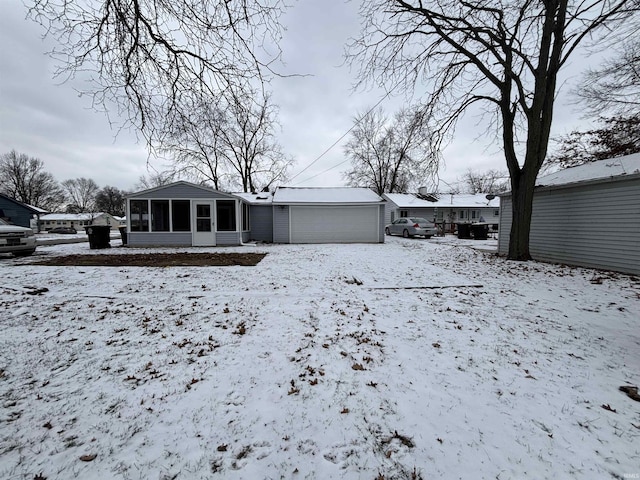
x,y
411,359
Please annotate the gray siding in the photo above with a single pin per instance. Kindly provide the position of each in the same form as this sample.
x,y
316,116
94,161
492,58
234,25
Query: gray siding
x,y
506,218
281,224
16,213
164,239
181,191
228,238
261,223
389,207
381,224
595,225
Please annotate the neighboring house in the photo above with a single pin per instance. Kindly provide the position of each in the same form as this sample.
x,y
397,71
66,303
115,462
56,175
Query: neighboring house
x,y
76,220
122,221
19,213
587,216
184,214
442,207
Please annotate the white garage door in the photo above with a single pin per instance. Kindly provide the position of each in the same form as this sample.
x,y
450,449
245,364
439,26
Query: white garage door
x,y
339,224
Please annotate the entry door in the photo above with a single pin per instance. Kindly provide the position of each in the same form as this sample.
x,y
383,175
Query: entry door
x,y
204,231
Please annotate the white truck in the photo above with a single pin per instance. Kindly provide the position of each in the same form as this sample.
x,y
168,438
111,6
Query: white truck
x,y
20,241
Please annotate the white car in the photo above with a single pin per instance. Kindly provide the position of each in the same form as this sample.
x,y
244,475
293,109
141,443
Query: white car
x,y
410,226
17,240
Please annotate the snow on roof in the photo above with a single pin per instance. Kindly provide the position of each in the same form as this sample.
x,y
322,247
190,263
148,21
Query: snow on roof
x,y
256,198
335,195
37,209
410,200
613,167
71,216
26,205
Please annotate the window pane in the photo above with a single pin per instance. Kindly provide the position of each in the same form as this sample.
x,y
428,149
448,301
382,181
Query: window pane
x,y
203,211
226,215
203,225
181,215
160,215
139,216
245,217
203,217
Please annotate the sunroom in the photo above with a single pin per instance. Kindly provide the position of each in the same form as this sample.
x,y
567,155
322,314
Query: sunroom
x,y
185,214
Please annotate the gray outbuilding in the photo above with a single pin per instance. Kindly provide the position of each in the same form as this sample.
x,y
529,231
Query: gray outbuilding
x,y
586,216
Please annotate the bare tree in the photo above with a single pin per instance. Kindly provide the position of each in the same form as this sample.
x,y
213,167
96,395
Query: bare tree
x,y
491,181
503,54
615,86
617,137
156,179
152,57
81,193
248,137
111,200
24,179
232,143
196,147
391,155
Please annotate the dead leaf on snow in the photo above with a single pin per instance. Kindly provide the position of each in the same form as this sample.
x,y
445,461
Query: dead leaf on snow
x,y
88,458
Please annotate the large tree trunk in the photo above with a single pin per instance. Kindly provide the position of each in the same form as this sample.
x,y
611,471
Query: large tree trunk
x,y
521,209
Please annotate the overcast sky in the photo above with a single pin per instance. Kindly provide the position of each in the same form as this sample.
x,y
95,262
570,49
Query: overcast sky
x,y
43,118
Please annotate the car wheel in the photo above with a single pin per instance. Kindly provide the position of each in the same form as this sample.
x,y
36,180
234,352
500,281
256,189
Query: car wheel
x,y
386,231
24,253
427,237
405,233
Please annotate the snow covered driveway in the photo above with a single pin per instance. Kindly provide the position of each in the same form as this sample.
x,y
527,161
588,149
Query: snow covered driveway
x,y
323,361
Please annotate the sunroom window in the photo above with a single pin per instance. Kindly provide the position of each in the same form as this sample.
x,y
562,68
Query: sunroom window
x,y
139,216
226,215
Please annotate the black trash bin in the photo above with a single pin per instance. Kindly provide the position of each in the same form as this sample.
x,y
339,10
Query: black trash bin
x,y
123,234
480,231
464,230
98,236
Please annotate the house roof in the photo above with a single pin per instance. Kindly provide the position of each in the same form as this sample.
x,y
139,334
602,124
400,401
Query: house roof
x,y
262,198
602,169
31,208
162,187
325,195
410,200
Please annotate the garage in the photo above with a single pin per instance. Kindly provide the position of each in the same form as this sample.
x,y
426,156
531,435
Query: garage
x,y
335,224
328,215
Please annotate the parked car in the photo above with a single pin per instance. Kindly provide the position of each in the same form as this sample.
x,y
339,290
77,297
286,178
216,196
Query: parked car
x,y
17,240
62,230
411,226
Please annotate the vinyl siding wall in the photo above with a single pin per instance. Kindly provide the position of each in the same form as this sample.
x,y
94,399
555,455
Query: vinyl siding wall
x,y
382,215
166,239
281,224
593,225
228,238
261,223
17,214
